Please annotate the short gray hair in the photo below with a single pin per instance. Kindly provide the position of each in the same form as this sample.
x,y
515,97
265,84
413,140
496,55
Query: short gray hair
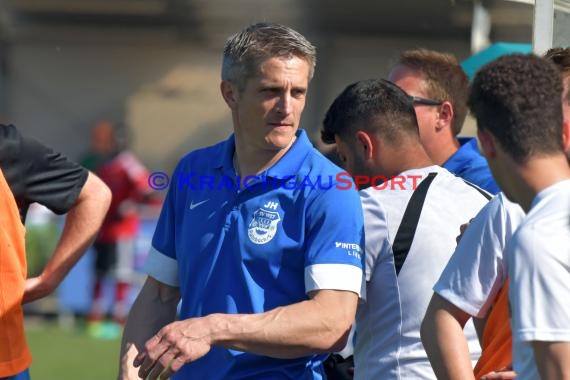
x,y
245,50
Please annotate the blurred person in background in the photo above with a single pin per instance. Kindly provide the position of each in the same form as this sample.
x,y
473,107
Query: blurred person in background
x,y
31,172
439,87
114,247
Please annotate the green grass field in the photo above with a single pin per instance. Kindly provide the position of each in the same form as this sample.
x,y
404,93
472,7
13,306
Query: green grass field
x,y
61,354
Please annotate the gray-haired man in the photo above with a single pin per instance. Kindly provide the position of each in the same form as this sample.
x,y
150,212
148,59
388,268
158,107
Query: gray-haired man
x,y
268,267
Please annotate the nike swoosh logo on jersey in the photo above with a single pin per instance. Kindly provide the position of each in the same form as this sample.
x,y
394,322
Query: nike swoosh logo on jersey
x,y
194,205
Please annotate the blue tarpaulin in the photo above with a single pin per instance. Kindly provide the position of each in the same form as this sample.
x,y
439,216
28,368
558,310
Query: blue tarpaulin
x,y
493,51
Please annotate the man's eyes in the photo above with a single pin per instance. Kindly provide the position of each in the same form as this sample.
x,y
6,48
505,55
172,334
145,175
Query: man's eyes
x,y
298,93
277,91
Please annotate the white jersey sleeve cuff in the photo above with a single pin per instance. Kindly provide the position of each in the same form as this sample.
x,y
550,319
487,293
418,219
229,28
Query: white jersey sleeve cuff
x,y
334,277
542,335
458,301
162,267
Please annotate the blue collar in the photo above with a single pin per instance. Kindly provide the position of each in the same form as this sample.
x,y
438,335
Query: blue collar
x,y
290,164
464,154
225,159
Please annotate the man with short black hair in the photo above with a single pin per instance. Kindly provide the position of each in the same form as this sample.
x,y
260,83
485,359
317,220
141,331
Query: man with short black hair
x,y
374,126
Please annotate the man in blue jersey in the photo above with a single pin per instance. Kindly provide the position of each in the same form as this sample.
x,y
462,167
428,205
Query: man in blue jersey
x,y
255,237
439,88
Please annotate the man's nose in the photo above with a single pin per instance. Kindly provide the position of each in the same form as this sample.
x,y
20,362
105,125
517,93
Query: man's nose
x,y
284,106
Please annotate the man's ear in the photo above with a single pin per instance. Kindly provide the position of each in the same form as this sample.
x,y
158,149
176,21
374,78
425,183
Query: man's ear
x,y
445,115
566,136
229,93
487,143
365,145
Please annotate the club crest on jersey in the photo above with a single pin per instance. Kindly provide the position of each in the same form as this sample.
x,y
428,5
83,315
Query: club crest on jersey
x,y
263,226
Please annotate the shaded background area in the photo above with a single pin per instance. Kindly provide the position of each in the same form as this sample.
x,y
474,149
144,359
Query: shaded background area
x,y
154,64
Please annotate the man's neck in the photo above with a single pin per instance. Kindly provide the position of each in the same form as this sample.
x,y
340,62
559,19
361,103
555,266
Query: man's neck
x,y
444,152
537,175
404,157
249,161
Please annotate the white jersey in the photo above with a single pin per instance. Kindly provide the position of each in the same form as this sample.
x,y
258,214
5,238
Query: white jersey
x,y
388,344
477,270
538,262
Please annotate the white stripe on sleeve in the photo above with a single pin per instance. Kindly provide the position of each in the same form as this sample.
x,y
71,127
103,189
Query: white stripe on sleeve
x,y
334,276
162,267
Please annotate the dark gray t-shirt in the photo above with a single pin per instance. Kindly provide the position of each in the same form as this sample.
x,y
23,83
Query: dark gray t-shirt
x,y
35,173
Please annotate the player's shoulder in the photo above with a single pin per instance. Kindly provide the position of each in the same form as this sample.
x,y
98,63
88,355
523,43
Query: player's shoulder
x,y
203,157
450,183
316,164
550,214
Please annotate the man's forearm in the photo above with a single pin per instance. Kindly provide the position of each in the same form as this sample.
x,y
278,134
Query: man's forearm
x,y
154,308
81,226
318,325
552,359
444,341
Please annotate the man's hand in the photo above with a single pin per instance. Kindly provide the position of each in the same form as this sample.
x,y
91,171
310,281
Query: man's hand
x,y
173,346
128,372
462,229
506,374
